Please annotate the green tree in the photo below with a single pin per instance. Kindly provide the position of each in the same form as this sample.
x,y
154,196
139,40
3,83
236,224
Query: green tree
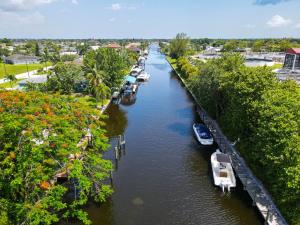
x,y
11,79
37,49
179,46
110,62
65,78
43,136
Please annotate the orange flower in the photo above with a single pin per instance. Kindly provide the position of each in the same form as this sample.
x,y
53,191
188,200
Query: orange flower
x,y
45,185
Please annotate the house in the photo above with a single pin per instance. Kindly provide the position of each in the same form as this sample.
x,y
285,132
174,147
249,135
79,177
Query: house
x,y
212,50
36,79
21,59
291,66
292,59
114,46
95,47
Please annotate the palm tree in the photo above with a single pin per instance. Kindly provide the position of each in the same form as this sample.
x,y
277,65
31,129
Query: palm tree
x,y
95,78
11,79
103,92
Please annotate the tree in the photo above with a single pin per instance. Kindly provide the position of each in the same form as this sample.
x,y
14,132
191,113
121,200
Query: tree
x,y
102,92
11,79
179,46
42,136
257,46
65,78
37,49
252,104
111,63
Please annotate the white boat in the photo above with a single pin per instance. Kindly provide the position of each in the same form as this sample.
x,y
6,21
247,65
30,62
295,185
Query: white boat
x,y
134,88
222,170
203,134
144,76
136,71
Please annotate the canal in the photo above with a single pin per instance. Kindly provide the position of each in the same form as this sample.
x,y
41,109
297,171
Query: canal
x,y
164,176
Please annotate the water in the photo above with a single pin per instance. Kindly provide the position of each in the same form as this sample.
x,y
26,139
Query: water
x,y
255,63
165,176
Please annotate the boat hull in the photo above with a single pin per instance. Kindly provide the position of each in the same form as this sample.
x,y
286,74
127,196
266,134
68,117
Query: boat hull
x,y
223,174
202,141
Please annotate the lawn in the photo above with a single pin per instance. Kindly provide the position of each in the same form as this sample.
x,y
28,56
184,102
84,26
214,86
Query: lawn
x,y
17,69
173,62
7,84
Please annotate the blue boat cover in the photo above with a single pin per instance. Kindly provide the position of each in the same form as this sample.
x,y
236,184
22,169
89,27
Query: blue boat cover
x,y
130,79
203,131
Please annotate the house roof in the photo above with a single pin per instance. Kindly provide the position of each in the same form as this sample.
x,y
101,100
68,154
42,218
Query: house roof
x,y
293,51
113,45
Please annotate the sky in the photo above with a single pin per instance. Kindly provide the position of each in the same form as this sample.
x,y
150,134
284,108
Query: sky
x,y
149,18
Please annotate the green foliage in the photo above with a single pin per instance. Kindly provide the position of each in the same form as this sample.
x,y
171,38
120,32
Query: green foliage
x,y
185,68
64,79
68,58
179,46
250,103
110,63
11,78
39,139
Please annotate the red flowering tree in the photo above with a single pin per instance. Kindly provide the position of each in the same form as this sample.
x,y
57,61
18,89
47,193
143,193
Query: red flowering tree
x,y
44,138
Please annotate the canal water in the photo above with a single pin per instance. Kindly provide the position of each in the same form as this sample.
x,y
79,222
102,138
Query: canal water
x,y
164,176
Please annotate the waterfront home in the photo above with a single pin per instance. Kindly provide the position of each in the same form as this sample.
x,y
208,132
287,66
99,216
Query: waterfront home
x,y
21,59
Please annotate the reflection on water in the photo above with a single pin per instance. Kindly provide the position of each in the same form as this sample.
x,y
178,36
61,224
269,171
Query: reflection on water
x,y
116,121
165,177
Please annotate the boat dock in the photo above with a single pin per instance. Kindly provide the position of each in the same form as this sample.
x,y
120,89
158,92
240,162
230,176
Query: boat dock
x,y
260,196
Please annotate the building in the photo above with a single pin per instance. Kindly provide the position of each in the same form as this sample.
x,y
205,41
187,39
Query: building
x,y
21,59
292,59
291,66
114,46
36,79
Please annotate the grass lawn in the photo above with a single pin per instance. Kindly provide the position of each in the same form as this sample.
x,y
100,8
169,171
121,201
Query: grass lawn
x,y
7,84
17,69
172,61
276,66
90,101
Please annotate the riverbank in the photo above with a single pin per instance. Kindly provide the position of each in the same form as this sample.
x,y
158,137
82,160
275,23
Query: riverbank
x,y
277,214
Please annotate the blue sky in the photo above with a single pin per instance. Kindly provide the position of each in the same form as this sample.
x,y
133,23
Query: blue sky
x,y
149,18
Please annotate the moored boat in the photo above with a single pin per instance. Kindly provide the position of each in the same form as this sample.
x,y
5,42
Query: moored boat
x,y
203,134
222,170
144,76
135,71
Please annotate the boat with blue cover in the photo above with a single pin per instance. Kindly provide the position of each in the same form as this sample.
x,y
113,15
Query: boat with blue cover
x,y
203,134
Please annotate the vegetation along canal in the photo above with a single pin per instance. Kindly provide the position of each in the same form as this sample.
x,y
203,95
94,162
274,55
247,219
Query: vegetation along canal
x,y
165,177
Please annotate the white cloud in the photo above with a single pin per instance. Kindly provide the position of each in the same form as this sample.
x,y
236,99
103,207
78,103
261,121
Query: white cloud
x,y
75,2
20,5
113,19
278,21
297,25
116,7
13,18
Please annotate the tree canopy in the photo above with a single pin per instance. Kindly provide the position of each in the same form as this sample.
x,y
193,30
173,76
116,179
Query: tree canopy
x,y
253,105
42,136
179,46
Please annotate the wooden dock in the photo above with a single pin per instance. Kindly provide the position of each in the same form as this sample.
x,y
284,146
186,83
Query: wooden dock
x,y
259,195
